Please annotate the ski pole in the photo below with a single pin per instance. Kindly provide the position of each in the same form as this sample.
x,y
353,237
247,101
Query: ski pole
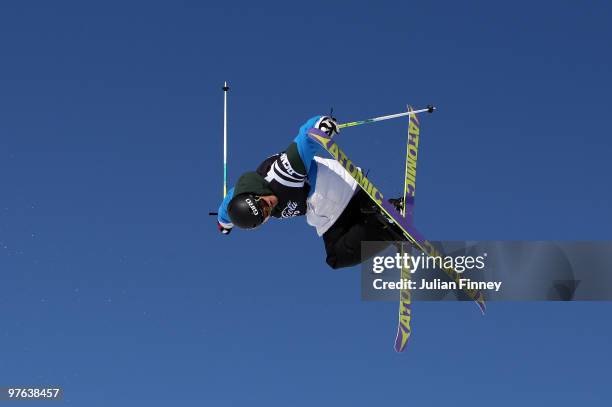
x,y
225,90
429,109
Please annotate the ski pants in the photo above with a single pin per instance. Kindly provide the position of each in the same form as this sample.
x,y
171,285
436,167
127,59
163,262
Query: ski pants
x,y
343,239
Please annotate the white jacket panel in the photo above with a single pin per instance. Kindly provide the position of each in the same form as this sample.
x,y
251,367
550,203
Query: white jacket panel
x,y
334,187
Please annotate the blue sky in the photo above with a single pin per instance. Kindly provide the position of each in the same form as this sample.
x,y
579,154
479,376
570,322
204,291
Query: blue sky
x,y
116,284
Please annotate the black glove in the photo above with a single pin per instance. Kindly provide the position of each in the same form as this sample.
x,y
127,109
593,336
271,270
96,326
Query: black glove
x,y
224,230
328,126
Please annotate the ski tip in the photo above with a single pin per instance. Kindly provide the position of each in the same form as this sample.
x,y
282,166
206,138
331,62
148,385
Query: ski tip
x,y
213,213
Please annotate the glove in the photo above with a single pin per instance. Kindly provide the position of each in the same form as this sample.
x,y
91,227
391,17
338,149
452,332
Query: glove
x,y
224,230
328,126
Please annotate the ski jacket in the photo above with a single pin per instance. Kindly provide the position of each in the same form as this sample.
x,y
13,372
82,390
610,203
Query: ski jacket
x,y
304,184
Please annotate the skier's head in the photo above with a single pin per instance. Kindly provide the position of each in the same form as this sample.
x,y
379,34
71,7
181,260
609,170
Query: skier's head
x,y
253,201
248,211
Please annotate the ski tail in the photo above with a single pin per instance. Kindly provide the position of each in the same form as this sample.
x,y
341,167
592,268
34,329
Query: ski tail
x,y
412,150
405,311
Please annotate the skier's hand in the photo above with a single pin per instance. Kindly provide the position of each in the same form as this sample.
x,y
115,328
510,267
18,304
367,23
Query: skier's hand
x,y
224,230
328,126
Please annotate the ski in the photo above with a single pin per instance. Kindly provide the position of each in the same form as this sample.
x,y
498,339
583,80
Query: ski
x,y
407,211
409,232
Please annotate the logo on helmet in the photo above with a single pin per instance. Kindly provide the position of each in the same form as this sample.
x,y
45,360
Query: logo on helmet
x,y
252,206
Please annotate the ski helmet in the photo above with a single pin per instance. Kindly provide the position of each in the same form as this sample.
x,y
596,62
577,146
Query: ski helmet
x,y
245,211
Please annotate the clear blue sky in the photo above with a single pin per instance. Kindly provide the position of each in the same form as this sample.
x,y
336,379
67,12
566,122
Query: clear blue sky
x,y
116,285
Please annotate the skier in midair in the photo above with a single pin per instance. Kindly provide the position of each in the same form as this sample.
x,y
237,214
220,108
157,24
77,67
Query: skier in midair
x,y
296,182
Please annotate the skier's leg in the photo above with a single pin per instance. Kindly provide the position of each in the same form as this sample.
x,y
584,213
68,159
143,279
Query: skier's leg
x,y
343,246
343,239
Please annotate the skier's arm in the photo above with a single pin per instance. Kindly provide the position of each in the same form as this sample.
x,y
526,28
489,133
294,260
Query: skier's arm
x,y
224,224
290,168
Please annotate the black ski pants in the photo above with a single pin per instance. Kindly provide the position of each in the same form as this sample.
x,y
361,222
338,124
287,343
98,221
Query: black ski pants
x,y
356,224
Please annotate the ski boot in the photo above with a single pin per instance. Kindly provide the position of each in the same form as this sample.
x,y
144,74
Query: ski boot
x,y
388,224
398,203
371,207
